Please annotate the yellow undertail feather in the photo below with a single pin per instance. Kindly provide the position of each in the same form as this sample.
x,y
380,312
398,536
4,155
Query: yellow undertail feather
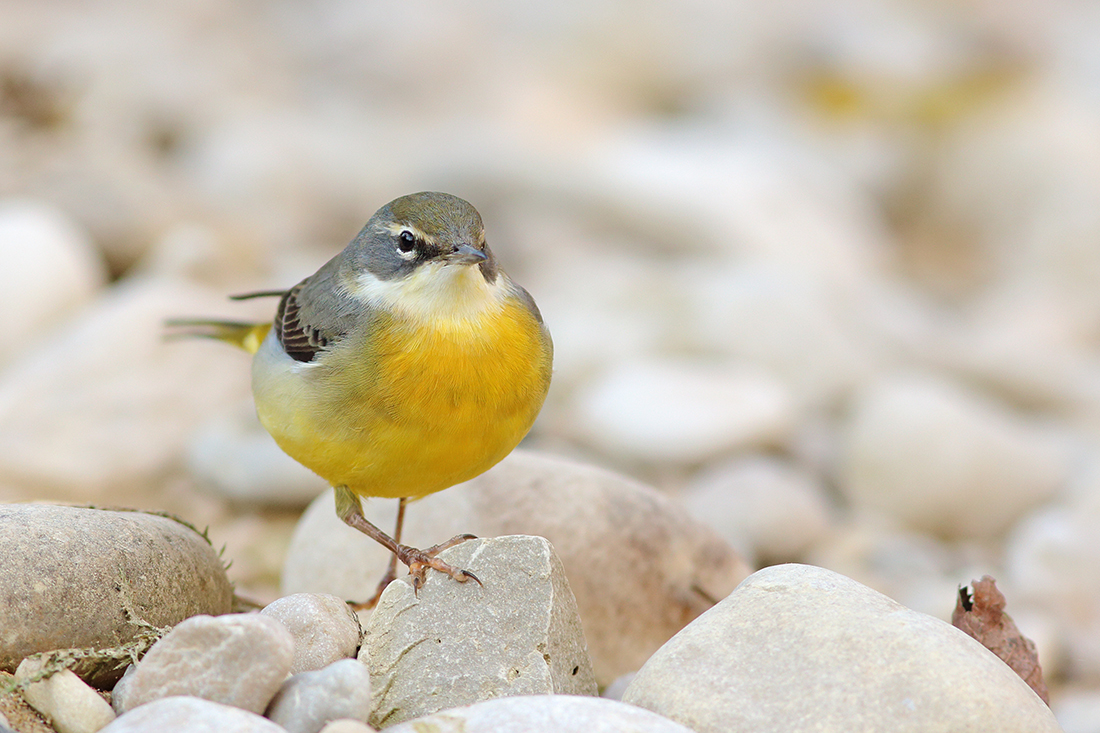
x,y
247,336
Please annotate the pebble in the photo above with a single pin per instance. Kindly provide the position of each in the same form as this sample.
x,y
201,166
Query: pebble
x,y
801,648
88,578
183,714
773,317
944,460
639,565
104,410
1007,173
1053,566
16,713
239,660
324,627
1078,711
309,700
49,270
764,507
615,690
542,714
460,643
681,411
748,195
234,456
347,726
64,699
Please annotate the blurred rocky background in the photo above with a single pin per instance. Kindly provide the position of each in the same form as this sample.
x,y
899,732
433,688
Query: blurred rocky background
x,y
827,273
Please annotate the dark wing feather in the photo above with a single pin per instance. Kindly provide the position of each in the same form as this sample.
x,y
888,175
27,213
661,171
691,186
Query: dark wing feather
x,y
318,312
300,339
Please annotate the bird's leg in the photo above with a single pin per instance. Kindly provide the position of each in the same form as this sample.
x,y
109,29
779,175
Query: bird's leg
x,y
350,510
391,571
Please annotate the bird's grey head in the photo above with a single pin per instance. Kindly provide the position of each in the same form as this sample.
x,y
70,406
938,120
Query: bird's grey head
x,y
414,230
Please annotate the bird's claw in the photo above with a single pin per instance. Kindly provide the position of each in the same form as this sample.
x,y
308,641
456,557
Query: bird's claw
x,y
420,560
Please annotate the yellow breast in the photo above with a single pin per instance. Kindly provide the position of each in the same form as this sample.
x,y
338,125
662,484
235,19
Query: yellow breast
x,y
413,407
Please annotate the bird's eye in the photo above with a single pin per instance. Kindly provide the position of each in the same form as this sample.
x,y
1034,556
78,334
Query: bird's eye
x,y
406,242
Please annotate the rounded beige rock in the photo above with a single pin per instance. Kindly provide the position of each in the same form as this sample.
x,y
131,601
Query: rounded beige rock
x,y
800,648
88,578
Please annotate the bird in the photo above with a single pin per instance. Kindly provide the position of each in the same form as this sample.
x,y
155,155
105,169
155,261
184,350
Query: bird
x,y
408,363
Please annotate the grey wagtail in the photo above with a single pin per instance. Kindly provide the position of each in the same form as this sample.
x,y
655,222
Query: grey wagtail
x,y
410,362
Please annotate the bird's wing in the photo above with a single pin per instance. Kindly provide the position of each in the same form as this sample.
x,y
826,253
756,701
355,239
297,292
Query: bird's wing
x,y
316,314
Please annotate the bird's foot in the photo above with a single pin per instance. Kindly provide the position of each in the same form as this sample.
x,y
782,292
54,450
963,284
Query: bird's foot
x,y
420,560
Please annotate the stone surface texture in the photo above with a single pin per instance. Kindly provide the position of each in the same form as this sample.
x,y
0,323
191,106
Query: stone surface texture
x,y
84,578
543,714
801,648
309,700
324,627
460,643
64,699
183,714
239,660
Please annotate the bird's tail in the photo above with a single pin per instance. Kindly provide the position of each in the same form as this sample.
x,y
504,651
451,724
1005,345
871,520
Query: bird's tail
x,y
247,336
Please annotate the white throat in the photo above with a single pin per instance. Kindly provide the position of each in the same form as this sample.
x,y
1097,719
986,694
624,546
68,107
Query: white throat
x,y
435,292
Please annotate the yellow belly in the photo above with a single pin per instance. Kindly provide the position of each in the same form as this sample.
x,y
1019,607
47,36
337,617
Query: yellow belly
x,y
413,410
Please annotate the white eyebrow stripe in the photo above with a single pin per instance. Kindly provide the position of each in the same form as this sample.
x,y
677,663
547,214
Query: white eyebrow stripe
x,y
396,228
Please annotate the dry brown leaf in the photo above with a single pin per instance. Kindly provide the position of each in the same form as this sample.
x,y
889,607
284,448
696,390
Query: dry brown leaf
x,y
983,617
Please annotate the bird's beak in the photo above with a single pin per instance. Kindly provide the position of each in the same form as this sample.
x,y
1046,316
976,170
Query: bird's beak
x,y
464,254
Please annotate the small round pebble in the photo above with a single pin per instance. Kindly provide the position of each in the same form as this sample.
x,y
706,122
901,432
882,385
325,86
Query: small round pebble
x,y
239,660
542,714
183,714
64,699
763,507
347,726
309,700
324,628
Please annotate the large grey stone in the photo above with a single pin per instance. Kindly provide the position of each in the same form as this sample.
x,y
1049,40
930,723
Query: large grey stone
x,y
461,643
639,565
800,648
184,714
543,714
307,701
85,578
324,628
239,660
